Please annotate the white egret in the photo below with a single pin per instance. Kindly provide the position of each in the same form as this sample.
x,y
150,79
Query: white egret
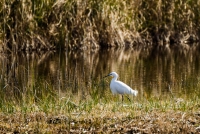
x,y
118,87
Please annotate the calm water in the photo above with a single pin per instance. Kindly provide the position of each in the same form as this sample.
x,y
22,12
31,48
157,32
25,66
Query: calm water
x,y
158,72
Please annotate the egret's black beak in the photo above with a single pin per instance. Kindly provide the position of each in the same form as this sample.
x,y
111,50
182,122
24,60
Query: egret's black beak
x,y
106,76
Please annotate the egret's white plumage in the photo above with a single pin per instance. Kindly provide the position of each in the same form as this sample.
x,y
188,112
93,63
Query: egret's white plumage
x,y
118,87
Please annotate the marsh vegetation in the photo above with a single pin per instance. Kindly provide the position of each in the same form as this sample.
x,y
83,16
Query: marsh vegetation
x,y
50,84
50,24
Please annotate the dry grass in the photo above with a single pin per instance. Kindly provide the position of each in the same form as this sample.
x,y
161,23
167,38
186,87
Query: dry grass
x,y
152,122
49,24
102,115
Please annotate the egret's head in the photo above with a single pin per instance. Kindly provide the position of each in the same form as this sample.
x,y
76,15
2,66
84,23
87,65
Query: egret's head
x,y
113,74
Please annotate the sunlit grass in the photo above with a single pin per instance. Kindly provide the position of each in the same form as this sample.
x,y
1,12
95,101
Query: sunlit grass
x,y
51,103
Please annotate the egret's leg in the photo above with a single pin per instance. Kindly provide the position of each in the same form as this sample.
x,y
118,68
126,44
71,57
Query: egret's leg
x,y
122,98
128,98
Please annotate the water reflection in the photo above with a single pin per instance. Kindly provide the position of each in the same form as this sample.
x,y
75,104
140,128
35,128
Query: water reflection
x,y
161,71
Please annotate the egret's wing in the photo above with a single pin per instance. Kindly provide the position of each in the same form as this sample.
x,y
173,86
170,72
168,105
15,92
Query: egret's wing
x,y
122,88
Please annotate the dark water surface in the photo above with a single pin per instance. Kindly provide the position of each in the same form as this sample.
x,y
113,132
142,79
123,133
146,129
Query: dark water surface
x,y
161,71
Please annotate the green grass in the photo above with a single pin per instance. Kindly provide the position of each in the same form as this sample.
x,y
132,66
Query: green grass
x,y
48,101
44,96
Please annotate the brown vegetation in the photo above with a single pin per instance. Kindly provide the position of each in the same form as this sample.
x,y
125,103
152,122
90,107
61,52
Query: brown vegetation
x,y
49,24
35,106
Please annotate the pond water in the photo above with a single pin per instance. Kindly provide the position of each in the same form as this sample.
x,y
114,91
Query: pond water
x,y
160,71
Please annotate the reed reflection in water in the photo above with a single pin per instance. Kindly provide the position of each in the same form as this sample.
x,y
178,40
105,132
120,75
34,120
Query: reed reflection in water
x,y
161,71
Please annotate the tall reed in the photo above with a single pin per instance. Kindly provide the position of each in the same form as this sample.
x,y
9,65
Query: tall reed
x,y
50,24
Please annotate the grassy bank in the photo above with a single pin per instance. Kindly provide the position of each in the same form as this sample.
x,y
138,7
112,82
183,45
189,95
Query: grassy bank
x,y
38,111
50,24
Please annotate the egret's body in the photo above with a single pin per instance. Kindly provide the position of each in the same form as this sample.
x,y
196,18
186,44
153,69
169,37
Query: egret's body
x,y
118,87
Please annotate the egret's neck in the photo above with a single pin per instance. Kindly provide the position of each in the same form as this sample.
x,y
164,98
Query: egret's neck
x,y
114,79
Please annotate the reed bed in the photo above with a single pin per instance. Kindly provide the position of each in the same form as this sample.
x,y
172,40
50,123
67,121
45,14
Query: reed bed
x,y
49,24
